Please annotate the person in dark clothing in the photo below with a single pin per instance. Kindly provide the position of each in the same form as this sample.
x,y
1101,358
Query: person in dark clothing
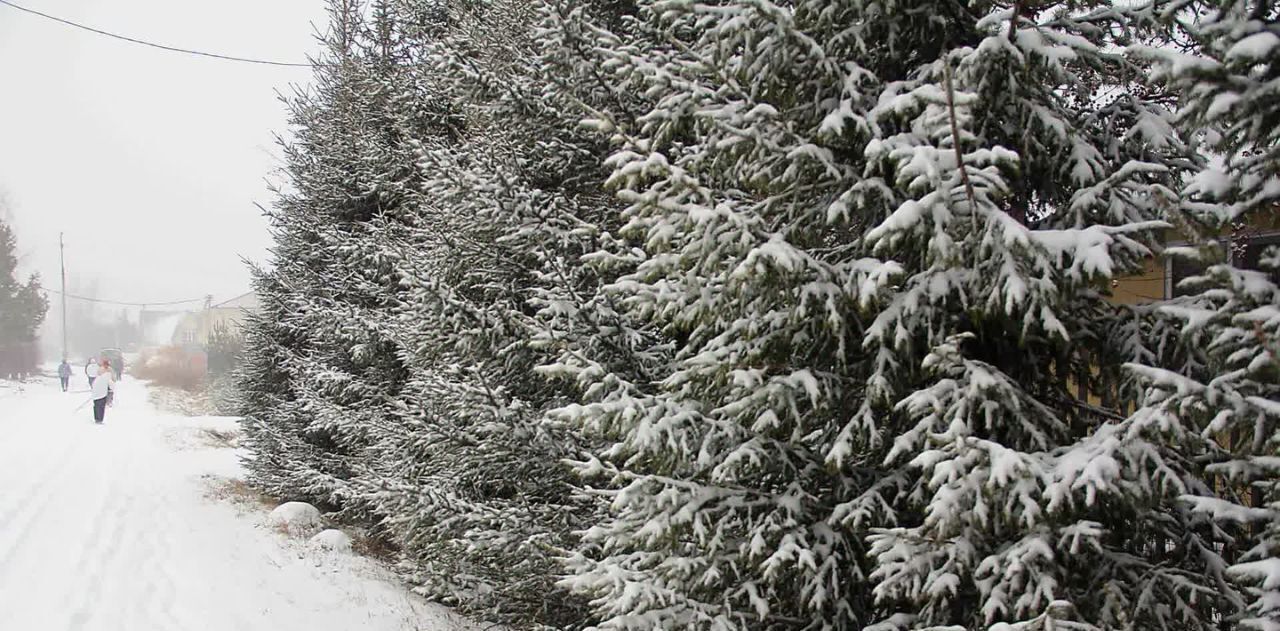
x,y
64,374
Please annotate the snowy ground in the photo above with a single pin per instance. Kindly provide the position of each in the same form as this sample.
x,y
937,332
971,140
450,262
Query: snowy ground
x,y
119,528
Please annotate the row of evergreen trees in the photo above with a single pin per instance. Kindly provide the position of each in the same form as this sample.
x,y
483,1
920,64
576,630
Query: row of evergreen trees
x,y
22,310
764,314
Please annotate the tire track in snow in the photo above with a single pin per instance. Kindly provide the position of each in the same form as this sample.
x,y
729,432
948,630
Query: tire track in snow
x,y
157,538
41,528
103,559
152,532
55,461
12,503
32,505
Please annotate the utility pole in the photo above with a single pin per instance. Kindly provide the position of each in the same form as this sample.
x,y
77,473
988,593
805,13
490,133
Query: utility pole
x,y
62,255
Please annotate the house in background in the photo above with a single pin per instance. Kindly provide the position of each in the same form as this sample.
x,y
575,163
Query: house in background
x,y
195,328
1159,279
1160,275
1147,286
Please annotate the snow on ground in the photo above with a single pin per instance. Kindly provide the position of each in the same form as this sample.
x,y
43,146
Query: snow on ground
x,y
114,528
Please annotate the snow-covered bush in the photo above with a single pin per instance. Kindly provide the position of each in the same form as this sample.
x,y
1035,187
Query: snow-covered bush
x,y
297,519
331,540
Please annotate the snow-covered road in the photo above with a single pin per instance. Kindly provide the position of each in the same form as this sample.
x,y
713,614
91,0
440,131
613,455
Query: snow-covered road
x,y
112,528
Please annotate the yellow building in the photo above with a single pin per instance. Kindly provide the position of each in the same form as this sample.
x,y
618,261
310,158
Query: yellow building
x,y
1158,281
1148,286
194,329
1160,275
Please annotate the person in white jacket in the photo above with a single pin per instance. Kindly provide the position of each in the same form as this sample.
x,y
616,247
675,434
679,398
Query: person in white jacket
x,y
91,370
103,386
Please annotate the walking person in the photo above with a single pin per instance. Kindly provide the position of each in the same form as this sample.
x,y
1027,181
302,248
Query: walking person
x,y
109,369
64,374
103,386
91,370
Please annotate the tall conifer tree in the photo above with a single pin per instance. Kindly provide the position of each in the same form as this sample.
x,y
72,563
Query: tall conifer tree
x,y
1228,80
22,309
877,238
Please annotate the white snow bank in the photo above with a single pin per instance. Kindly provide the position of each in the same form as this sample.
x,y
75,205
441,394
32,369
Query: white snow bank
x,y
298,519
332,540
109,528
203,432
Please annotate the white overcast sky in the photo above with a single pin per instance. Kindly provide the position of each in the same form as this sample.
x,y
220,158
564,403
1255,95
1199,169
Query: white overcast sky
x,y
149,161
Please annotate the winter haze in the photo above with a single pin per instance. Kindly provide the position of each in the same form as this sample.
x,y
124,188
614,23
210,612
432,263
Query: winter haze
x,y
150,161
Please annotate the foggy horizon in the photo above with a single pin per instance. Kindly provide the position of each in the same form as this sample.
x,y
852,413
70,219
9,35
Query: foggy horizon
x,y
151,162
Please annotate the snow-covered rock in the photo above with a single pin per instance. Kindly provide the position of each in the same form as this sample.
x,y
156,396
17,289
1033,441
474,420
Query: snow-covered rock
x,y
332,540
298,519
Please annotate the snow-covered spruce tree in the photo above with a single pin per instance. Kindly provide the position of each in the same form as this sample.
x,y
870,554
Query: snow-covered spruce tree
x,y
1228,80
287,458
477,490
877,237
321,364
427,262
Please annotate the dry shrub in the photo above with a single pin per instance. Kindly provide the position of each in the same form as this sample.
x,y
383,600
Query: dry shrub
x,y
374,546
180,402
236,491
172,366
220,438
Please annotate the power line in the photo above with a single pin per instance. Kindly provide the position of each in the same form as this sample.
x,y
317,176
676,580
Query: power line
x,y
153,44
124,304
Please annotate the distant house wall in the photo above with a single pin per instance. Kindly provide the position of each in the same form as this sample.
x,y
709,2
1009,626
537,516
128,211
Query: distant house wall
x,y
1147,286
195,328
1160,275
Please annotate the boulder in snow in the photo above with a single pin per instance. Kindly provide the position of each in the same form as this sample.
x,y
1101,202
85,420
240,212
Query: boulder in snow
x,y
332,540
298,519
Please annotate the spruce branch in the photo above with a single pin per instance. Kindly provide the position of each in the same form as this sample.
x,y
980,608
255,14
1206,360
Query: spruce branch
x,y
955,143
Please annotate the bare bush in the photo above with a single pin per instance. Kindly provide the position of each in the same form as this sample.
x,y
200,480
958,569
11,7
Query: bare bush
x,y
237,491
172,366
220,438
